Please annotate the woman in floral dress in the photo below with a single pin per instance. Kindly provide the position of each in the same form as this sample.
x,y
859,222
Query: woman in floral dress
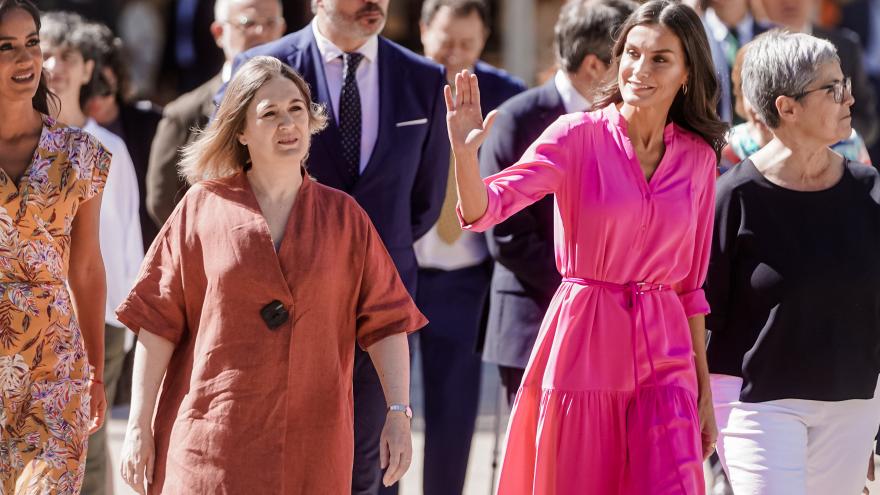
x,y
51,177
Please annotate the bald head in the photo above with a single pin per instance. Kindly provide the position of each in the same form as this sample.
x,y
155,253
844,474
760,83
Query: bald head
x,y
243,24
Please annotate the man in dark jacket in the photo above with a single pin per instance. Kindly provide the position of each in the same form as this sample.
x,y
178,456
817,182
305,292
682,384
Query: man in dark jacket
x,y
238,25
454,266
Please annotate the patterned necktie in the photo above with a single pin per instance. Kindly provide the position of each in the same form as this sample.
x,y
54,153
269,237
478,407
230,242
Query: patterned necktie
x,y
350,115
731,46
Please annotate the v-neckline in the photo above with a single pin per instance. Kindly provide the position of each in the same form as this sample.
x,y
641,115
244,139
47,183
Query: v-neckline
x,y
24,179
668,141
288,226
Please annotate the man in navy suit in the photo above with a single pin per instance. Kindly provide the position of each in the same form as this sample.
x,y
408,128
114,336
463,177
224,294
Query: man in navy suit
x,y
526,276
729,25
386,145
454,266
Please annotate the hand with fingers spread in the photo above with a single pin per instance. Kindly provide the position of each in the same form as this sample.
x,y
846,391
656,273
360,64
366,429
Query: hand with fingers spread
x,y
395,447
464,117
467,131
138,457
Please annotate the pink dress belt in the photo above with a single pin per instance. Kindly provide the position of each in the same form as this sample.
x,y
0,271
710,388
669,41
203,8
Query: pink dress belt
x,y
634,292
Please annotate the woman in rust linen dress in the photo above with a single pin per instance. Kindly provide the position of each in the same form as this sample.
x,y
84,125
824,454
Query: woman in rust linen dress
x,y
253,297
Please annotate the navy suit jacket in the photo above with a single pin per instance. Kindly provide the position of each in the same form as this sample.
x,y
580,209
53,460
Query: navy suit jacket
x,y
723,69
496,86
525,276
404,182
856,16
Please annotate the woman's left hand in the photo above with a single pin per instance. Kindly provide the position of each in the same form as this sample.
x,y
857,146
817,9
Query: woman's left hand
x,y
395,447
97,406
708,427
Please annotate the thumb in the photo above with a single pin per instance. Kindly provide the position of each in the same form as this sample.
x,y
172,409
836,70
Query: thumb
x,y
490,121
384,454
151,461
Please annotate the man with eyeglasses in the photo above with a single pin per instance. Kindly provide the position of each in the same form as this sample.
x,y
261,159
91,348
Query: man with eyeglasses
x,y
238,25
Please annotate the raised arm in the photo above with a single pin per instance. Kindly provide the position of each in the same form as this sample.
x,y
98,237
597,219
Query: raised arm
x,y
467,131
540,171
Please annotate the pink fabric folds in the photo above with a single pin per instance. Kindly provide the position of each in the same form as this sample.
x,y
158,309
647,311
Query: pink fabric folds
x,y
592,417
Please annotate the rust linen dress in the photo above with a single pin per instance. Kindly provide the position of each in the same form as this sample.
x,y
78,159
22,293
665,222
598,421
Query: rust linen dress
x,y
245,409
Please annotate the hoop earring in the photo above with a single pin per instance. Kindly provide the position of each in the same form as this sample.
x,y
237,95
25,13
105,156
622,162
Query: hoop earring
x,y
684,89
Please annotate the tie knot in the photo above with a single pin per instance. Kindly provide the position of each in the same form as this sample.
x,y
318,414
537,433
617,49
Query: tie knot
x,y
351,60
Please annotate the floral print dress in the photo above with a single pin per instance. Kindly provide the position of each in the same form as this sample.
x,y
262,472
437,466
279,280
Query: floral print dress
x,y
44,371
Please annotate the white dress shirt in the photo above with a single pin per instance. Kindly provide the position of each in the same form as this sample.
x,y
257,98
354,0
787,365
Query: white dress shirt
x,y
120,235
467,251
368,86
572,100
719,30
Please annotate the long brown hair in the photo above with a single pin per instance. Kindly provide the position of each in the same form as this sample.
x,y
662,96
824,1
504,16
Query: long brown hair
x,y
217,152
696,110
44,100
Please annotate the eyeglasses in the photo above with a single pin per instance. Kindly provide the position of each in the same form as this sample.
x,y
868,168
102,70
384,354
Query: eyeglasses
x,y
254,25
840,90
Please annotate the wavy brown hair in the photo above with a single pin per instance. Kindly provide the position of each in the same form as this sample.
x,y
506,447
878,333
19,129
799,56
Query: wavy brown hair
x,y
217,152
44,100
695,111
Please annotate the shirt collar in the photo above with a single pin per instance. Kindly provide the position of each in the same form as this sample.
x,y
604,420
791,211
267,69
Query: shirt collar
x,y
572,100
719,30
330,52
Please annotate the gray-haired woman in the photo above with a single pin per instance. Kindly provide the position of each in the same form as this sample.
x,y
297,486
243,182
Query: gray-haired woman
x,y
793,285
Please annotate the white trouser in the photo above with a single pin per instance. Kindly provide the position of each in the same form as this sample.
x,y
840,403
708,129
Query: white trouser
x,y
793,446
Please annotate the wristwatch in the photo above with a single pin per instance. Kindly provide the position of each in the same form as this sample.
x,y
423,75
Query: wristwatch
x,y
406,410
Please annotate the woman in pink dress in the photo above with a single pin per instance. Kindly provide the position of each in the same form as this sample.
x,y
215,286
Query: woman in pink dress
x,y
615,399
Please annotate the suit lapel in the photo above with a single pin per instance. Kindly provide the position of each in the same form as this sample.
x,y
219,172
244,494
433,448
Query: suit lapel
x,y
551,101
388,87
311,66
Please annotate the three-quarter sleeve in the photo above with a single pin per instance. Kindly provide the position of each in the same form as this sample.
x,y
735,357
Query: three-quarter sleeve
x,y
690,289
384,306
540,171
156,302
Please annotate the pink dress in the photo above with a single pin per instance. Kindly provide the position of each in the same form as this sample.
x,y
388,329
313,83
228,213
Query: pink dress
x,y
608,401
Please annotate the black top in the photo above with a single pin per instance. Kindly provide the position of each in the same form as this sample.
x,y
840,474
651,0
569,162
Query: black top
x,y
794,286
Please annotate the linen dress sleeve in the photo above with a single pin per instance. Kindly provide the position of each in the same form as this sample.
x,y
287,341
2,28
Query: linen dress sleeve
x,y
690,289
384,306
540,171
93,165
720,276
156,302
